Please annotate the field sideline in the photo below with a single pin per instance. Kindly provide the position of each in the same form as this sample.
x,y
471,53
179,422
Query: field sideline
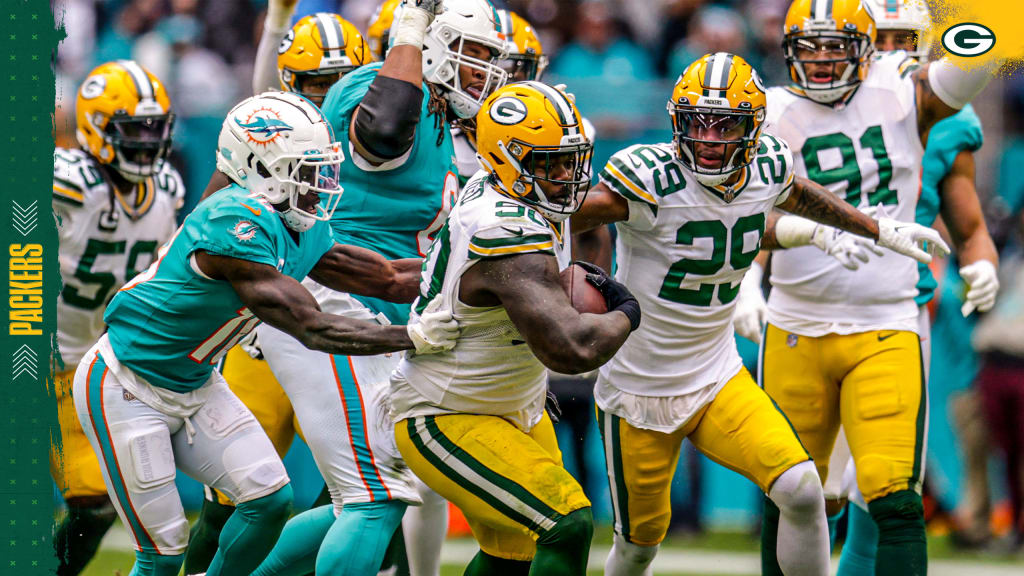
x,y
710,555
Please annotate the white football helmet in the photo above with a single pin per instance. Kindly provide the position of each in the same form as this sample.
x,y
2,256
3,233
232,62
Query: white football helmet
x,y
906,15
463,21
278,145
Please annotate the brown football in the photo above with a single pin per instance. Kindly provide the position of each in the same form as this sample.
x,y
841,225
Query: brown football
x,y
583,296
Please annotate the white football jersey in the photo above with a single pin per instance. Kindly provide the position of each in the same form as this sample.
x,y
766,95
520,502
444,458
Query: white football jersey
x,y
491,370
682,253
868,152
104,241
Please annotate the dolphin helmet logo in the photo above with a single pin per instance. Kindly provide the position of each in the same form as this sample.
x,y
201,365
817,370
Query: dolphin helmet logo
x,y
263,126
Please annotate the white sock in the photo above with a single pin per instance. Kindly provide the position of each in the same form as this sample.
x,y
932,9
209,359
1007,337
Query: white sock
x,y
802,548
425,528
627,559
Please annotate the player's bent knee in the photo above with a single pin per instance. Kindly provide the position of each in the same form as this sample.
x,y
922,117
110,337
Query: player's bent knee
x,y
899,516
798,490
573,529
152,564
272,508
634,554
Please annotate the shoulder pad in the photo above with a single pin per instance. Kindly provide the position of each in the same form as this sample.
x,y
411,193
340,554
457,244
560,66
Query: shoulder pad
x,y
630,172
75,176
503,226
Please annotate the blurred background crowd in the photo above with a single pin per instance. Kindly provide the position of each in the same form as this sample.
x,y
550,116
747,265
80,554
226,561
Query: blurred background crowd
x,y
620,58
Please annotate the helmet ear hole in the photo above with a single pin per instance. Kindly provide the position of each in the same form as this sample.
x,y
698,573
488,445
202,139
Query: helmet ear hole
x,y
262,170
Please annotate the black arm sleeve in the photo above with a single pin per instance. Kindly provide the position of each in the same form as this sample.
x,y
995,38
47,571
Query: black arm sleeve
x,y
388,115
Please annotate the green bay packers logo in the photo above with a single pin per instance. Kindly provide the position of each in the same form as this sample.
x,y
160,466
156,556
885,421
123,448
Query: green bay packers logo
x,y
286,42
93,87
508,110
968,39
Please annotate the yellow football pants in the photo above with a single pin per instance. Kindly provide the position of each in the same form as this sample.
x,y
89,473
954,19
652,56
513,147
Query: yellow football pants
x,y
510,485
254,384
73,462
740,429
872,383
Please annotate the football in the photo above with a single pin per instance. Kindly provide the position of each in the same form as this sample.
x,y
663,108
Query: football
x,y
583,296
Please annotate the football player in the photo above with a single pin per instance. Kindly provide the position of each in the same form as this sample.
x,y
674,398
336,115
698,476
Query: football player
x,y
399,185
306,59
861,123
471,422
147,394
378,33
115,199
691,216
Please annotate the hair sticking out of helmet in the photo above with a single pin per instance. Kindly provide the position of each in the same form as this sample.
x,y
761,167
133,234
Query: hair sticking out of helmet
x,y
279,146
828,45
317,52
530,138
717,109
124,119
526,59
461,49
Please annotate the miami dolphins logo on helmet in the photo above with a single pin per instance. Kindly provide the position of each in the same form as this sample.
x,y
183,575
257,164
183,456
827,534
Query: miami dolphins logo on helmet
x,y
263,126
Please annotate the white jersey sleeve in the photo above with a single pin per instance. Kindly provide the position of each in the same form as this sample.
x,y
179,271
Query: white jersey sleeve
x,y
867,151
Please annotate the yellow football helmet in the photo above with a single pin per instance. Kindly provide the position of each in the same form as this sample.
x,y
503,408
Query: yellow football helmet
x,y
530,136
323,46
718,102
124,119
526,59
380,27
825,34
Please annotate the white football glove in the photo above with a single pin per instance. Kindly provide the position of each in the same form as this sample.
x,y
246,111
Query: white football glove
x,y
982,286
849,249
749,317
279,14
436,331
907,238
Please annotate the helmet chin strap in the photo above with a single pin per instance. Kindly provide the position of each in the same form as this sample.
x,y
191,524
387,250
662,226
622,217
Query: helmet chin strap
x,y
297,220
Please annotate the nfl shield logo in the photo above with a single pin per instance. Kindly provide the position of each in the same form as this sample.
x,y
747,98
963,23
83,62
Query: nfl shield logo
x,y
791,340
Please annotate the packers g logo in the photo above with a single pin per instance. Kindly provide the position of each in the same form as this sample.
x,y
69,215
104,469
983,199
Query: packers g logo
x,y
968,39
286,42
93,87
508,110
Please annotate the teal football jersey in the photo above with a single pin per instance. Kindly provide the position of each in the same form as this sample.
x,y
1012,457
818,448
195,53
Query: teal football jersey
x,y
948,137
171,324
395,212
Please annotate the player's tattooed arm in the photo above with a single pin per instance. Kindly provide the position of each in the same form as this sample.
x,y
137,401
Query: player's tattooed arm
x,y
962,214
602,206
283,303
529,289
815,202
360,271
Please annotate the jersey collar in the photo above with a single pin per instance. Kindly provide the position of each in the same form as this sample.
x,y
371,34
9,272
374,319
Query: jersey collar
x,y
729,193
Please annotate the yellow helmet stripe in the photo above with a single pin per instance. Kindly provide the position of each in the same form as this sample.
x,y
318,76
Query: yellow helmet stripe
x,y
331,36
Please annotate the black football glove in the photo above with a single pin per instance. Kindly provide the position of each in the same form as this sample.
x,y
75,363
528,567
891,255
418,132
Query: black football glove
x,y
616,295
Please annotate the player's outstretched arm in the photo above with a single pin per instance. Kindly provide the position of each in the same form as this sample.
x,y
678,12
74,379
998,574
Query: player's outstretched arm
x,y
528,287
383,126
360,271
601,207
283,303
275,27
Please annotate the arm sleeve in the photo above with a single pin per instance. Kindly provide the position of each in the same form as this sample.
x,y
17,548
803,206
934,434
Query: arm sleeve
x,y
628,181
264,74
235,232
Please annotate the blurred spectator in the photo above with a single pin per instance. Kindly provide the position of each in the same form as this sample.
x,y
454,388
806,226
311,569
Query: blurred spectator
x,y
766,19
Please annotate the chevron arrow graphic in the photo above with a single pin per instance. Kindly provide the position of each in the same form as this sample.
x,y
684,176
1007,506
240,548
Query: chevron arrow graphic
x,y
25,219
25,361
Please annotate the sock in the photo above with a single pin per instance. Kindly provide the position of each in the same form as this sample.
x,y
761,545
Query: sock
x,y
250,533
627,559
355,544
425,528
858,557
769,539
564,549
396,561
802,537
902,547
153,564
486,565
295,552
79,535
205,533
833,525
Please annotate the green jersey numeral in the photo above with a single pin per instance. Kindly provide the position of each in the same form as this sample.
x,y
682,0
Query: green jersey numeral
x,y
849,171
104,281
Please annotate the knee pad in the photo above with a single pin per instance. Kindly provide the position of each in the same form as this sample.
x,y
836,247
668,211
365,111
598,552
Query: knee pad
x,y
899,516
152,564
633,553
798,490
574,528
274,507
